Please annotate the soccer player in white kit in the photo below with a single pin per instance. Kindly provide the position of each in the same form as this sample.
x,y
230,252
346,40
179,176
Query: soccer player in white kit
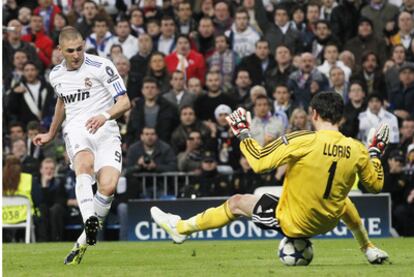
x,y
91,95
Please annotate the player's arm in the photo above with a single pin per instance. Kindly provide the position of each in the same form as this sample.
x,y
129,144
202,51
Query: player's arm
x,y
58,118
280,151
112,81
371,172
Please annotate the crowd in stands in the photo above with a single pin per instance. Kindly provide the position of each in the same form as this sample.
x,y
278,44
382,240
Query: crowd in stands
x,y
188,64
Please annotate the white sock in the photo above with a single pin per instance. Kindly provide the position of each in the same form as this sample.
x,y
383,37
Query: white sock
x,y
82,239
102,205
84,195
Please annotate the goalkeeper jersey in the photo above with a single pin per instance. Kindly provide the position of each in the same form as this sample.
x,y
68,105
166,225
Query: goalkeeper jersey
x,y
322,167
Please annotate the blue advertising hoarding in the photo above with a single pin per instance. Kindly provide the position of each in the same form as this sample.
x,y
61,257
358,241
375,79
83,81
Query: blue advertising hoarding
x,y
375,211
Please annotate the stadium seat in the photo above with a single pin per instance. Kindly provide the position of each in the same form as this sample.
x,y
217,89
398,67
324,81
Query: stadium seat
x,y
275,190
28,224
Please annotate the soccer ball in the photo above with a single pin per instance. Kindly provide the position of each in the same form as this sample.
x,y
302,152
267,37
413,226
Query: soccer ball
x,y
294,252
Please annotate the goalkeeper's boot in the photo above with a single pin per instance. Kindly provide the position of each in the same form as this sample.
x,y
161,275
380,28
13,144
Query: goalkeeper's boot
x,y
168,222
92,226
375,255
76,254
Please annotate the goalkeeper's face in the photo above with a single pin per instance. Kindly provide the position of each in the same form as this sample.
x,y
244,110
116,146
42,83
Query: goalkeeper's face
x,y
73,52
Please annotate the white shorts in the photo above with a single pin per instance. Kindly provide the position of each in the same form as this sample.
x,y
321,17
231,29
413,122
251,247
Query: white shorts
x,y
105,144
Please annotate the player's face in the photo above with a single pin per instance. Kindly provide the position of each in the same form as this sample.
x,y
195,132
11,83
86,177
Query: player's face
x,y
187,116
73,53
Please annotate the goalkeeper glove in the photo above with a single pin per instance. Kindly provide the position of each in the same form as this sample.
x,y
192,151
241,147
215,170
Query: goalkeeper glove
x,y
239,121
379,140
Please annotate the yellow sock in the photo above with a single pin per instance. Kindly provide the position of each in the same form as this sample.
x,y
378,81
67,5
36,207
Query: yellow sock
x,y
353,222
209,219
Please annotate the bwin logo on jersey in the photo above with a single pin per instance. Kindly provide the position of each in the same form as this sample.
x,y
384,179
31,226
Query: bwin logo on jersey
x,y
80,96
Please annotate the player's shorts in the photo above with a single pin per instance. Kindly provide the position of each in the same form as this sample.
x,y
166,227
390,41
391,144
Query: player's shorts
x,y
105,144
264,213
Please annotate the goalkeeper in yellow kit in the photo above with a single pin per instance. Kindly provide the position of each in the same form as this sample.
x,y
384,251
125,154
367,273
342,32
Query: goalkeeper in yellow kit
x,y
321,170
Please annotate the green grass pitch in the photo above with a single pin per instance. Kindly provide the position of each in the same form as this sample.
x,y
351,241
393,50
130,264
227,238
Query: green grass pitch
x,y
205,258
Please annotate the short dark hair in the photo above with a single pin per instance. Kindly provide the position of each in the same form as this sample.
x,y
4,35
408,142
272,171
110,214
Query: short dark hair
x,y
16,124
33,125
260,97
184,36
262,40
100,18
329,105
366,55
151,80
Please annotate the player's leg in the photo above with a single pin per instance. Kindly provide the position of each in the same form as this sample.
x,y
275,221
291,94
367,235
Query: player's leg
x,y
107,180
236,205
353,221
83,166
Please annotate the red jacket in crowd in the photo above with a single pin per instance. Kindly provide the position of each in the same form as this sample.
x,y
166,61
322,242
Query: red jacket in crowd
x,y
196,65
44,46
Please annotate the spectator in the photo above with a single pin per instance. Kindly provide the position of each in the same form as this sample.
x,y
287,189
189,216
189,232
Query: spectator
x,y
255,92
331,60
391,76
128,42
281,72
379,12
407,133
153,29
157,69
223,60
402,100
194,87
150,154
249,6
15,132
188,123
116,50
405,35
348,59
242,37
178,96
29,164
209,183
323,37
408,6
226,145
374,116
338,82
206,10
166,41
283,104
298,121
206,104
138,62
366,40
265,127
13,43
312,17
42,43
14,78
300,81
203,40
59,23
278,32
101,39
152,111
298,19
327,8
190,159
370,75
186,60
185,22
24,17
32,99
222,17
47,10
123,66
241,90
352,109
136,22
17,183
86,22
259,63
34,151
52,204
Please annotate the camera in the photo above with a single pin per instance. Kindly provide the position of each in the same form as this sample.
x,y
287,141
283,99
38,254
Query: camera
x,y
147,159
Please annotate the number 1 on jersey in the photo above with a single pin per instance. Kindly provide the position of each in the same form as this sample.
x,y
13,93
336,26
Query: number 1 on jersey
x,y
331,171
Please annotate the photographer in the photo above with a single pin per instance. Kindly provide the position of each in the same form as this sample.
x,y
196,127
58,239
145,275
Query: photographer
x,y
148,155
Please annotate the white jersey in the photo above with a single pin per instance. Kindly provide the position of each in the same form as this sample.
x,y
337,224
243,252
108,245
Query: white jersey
x,y
87,91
